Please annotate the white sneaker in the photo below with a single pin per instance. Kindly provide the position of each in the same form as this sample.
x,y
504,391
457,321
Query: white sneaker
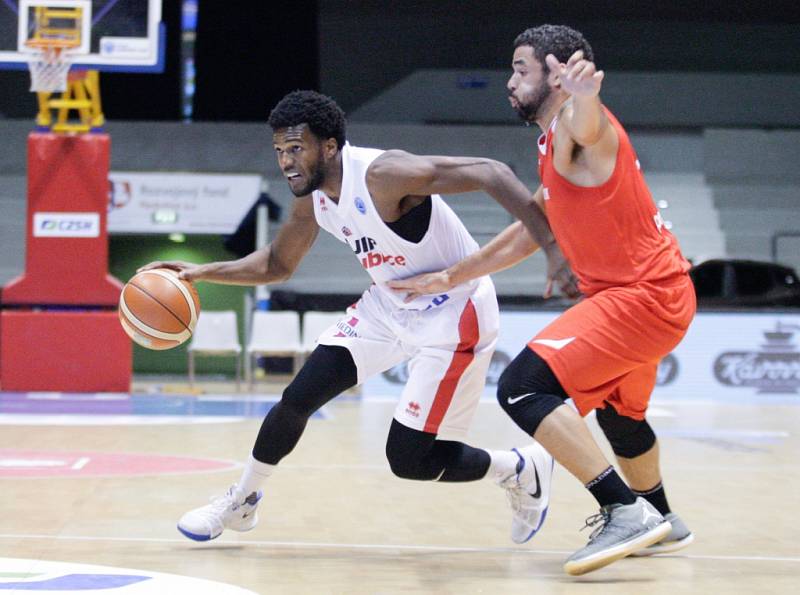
x,y
224,512
528,491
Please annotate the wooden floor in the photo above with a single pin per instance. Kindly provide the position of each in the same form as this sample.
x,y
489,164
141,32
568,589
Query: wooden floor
x,y
334,519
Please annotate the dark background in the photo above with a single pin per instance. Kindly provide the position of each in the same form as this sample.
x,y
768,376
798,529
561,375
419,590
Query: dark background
x,y
249,54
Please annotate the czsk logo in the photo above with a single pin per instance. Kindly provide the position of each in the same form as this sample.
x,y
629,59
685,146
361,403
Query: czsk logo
x,y
775,368
66,225
371,258
413,408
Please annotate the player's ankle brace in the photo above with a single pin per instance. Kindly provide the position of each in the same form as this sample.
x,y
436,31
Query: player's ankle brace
x,y
628,437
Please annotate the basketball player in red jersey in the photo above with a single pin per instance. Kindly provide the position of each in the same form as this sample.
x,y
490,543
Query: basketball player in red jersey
x,y
604,351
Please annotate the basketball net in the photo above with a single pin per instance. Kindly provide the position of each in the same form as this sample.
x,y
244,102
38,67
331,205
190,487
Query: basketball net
x,y
49,69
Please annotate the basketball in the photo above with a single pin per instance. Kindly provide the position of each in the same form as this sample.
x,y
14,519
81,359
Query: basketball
x,y
158,310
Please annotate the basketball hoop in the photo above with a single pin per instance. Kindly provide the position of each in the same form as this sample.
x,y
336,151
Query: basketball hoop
x,y
49,66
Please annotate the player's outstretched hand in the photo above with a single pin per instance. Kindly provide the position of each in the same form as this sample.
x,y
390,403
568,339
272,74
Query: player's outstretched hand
x,y
559,273
424,284
578,76
185,270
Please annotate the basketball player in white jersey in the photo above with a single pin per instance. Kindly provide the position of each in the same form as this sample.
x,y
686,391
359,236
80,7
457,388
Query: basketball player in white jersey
x,y
384,206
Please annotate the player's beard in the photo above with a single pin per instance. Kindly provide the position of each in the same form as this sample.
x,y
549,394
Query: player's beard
x,y
315,179
528,107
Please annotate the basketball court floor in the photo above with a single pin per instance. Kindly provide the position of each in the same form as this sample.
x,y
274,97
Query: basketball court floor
x,y
98,481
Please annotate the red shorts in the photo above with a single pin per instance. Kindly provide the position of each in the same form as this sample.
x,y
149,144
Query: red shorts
x,y
606,348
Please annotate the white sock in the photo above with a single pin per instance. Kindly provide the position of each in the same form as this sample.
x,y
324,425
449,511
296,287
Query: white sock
x,y
503,464
253,475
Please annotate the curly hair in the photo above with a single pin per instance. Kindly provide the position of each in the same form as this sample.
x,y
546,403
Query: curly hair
x,y
321,113
559,40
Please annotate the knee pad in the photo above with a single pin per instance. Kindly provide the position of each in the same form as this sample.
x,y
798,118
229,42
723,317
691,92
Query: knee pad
x,y
406,451
295,401
528,391
628,437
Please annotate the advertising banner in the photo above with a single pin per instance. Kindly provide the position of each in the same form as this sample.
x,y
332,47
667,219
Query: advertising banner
x,y
161,202
723,356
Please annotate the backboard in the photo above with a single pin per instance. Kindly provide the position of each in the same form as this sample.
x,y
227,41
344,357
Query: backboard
x,y
116,35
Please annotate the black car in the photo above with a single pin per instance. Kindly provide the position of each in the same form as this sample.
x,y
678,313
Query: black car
x,y
745,283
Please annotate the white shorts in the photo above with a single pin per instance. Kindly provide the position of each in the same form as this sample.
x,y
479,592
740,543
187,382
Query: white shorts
x,y
449,348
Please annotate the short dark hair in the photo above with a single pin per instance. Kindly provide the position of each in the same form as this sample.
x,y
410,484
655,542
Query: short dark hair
x,y
559,40
322,114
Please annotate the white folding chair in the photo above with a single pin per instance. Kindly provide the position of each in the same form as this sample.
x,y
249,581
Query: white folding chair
x,y
216,334
274,334
314,323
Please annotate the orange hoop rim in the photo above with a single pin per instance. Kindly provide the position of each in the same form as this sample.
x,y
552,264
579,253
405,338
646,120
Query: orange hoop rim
x,y
52,44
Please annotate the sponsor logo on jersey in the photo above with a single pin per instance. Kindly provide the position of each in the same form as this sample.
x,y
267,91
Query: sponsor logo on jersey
x,y
347,328
360,206
659,221
369,257
322,205
554,343
346,231
376,259
413,408
364,245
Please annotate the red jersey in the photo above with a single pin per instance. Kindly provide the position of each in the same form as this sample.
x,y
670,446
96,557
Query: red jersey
x,y
612,234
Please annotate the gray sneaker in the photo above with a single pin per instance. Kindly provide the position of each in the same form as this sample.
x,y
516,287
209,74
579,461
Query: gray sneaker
x,y
677,539
624,530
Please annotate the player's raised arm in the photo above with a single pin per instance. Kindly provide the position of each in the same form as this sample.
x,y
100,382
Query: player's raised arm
x,y
273,263
583,116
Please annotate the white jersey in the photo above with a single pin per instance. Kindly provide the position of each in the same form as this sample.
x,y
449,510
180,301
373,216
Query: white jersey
x,y
384,254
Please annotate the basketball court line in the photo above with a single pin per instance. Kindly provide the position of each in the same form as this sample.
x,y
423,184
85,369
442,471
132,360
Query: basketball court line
x,y
53,408
373,546
99,419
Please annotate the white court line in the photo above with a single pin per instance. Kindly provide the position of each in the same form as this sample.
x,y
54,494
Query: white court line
x,y
99,419
80,463
373,546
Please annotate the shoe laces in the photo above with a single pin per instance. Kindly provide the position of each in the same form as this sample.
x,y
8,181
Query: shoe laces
x,y
224,502
601,517
514,495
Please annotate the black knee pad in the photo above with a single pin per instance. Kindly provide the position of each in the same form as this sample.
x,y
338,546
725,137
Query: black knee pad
x,y
528,391
628,437
297,401
327,372
406,451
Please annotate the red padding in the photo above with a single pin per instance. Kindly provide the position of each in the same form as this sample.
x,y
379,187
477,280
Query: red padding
x,y
64,351
66,175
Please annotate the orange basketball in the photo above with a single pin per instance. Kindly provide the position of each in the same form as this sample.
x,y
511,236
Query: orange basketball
x,y
158,310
